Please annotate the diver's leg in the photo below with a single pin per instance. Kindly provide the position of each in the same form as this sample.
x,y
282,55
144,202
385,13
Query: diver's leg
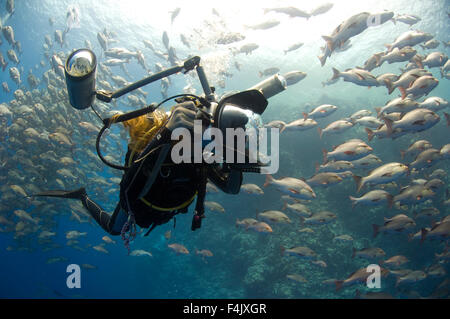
x,y
111,223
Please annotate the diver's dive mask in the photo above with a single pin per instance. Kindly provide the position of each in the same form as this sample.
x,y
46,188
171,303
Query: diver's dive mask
x,y
238,117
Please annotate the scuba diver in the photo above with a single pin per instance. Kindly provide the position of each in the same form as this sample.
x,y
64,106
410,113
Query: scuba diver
x,y
154,188
174,186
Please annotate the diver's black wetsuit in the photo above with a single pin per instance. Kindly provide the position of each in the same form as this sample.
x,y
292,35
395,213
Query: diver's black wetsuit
x,y
113,223
173,189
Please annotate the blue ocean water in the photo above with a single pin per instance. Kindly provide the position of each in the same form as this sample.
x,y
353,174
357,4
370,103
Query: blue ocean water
x,y
244,264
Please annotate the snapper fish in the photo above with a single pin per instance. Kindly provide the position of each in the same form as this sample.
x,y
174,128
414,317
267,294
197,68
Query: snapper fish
x,y
440,231
360,114
420,87
294,77
73,234
426,159
178,249
373,198
252,189
320,111
324,8
381,175
349,151
320,218
417,120
409,38
397,55
264,26
274,216
445,151
299,125
296,278
431,44
290,11
411,277
372,62
395,261
356,76
426,212
334,166
406,79
370,253
101,249
414,194
416,147
343,238
324,179
408,19
253,224
359,276
174,14
214,207
293,47
434,104
367,161
435,59
335,127
298,209
397,224
383,79
294,187
369,121
140,252
301,252
445,70
347,29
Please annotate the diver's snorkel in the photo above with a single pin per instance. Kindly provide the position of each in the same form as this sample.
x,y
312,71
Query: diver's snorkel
x,y
80,72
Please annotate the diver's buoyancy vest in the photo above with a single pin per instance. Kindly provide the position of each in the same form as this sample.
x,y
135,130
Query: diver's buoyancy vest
x,y
174,188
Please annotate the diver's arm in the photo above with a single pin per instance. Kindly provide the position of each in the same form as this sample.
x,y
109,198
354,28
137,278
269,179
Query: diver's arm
x,y
229,182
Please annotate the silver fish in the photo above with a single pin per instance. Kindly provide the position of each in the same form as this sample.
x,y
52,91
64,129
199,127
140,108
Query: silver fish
x,y
294,77
321,111
417,120
373,198
426,159
395,225
381,175
409,19
357,76
420,87
409,38
414,194
435,59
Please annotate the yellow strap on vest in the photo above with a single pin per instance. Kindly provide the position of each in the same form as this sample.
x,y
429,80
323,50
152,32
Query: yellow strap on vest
x,y
163,209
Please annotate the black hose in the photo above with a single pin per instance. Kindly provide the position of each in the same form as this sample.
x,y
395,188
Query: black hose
x,y
97,146
128,116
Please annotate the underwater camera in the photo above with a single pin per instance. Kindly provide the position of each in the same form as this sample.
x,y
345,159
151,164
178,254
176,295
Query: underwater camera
x,y
233,110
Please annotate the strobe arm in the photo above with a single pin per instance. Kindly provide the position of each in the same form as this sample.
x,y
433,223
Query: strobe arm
x,y
187,66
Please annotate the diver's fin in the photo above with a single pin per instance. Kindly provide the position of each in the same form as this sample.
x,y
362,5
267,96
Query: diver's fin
x,y
75,194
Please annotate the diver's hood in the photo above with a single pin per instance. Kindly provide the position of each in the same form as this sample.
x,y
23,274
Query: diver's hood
x,y
240,109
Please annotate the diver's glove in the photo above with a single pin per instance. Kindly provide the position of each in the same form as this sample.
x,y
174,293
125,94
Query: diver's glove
x,y
183,115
